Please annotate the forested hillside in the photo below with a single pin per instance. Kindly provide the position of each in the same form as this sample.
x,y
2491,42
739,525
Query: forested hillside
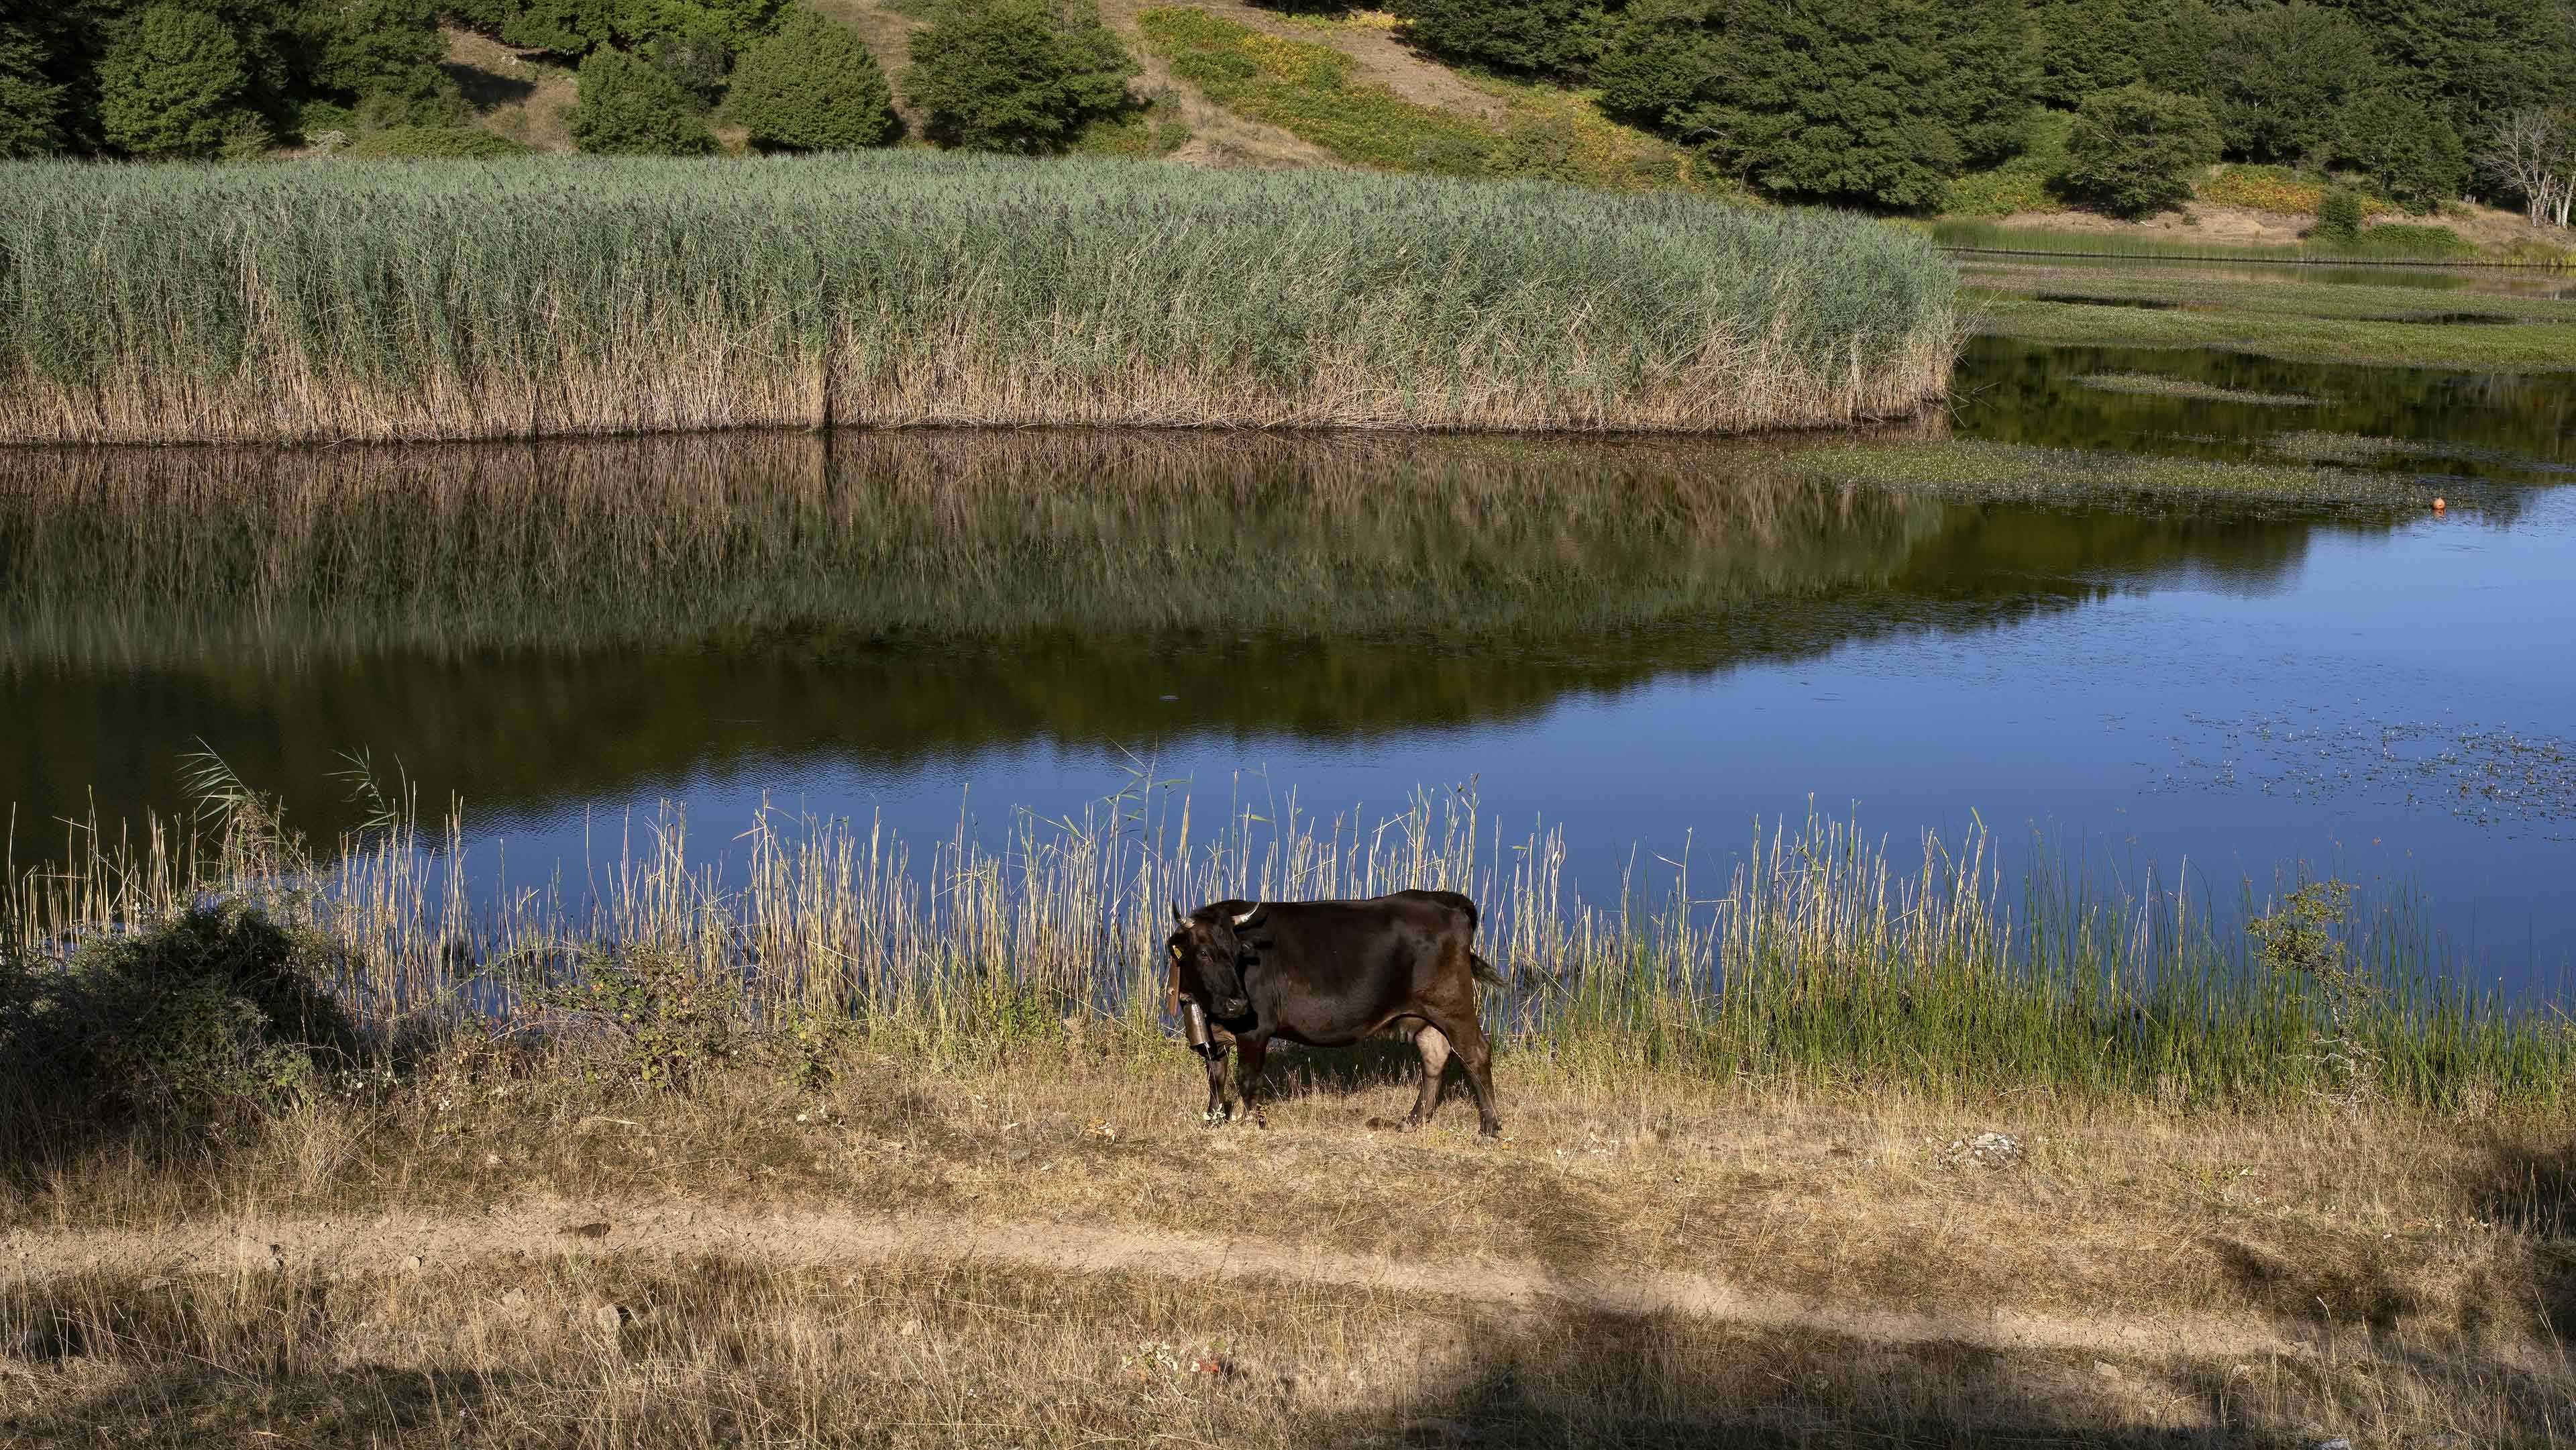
x,y
1879,103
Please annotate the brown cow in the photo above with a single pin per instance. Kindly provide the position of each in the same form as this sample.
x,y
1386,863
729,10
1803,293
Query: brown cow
x,y
1328,973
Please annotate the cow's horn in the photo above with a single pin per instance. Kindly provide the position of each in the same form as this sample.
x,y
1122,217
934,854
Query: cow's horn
x,y
1177,918
1249,915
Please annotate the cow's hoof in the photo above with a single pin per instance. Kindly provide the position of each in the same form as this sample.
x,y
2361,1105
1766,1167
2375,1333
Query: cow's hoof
x,y
1408,1125
1490,1133
1213,1120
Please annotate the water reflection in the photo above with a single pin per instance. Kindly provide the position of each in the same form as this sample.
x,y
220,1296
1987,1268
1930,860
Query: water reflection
x,y
533,626
2417,420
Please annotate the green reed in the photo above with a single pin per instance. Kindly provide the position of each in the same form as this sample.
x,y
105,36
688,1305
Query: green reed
x,y
1822,955
621,295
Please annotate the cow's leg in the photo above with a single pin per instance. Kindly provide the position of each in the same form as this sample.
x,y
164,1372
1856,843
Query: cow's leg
x,y
1468,1040
1248,1055
1434,1048
1218,1109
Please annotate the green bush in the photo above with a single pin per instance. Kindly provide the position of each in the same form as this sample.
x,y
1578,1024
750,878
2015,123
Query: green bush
x,y
1136,133
699,63
407,142
812,87
662,1023
2339,216
628,108
204,1016
1555,38
1015,75
170,83
2134,151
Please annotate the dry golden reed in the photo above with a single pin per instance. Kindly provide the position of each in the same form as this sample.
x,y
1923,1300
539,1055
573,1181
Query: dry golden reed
x,y
446,300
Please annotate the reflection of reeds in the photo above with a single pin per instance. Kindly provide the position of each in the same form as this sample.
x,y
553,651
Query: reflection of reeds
x,y
1824,956
132,556
413,302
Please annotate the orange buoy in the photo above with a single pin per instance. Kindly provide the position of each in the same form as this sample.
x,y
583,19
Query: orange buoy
x,y
2439,505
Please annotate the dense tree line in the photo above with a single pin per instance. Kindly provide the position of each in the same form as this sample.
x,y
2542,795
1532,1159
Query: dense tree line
x,y
153,79
1882,101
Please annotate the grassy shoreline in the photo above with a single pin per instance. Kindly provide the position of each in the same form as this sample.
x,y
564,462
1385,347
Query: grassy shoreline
x,y
537,297
924,1119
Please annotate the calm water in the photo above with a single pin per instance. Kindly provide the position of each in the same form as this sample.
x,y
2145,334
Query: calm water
x,y
1653,645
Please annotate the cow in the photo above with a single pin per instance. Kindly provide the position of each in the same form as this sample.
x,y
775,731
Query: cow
x,y
1328,973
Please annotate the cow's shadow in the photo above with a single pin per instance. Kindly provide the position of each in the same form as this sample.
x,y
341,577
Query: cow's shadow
x,y
1370,1066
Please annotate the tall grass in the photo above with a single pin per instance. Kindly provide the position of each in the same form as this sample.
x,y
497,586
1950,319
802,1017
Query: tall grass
x,y
1823,956
515,298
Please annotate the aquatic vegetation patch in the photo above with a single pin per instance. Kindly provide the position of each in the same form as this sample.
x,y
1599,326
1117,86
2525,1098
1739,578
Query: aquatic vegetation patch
x,y
2163,387
2357,450
600,295
2014,470
2483,775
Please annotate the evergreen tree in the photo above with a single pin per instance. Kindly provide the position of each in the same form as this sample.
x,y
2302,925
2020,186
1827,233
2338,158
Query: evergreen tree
x,y
1840,101
2136,150
2406,148
2279,78
1015,75
2085,46
1657,61
31,102
1987,74
2475,60
170,83
627,108
812,87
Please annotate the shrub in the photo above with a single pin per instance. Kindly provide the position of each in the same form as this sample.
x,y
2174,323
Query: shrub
x,y
459,142
2339,216
169,83
1015,75
204,1016
1136,134
812,87
1556,38
2262,188
2134,151
662,1022
698,62
627,108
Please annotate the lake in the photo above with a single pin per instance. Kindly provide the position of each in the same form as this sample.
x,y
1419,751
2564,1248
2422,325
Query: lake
x,y
1652,644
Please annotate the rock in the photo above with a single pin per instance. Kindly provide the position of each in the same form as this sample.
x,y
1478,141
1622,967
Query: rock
x,y
612,1317
1986,1150
2337,1443
414,1262
2109,1371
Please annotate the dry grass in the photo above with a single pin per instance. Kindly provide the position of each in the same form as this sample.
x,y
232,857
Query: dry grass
x,y
911,1255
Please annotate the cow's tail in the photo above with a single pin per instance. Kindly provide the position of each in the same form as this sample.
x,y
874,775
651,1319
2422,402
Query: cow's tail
x,y
1484,970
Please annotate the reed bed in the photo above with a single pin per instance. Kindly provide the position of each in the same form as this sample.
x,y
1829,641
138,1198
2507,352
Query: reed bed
x,y
1824,956
541,297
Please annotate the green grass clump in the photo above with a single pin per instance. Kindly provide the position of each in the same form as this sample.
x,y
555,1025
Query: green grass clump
x,y
601,295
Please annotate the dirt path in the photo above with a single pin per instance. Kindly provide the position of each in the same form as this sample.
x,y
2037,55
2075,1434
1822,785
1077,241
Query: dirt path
x,y
401,1241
